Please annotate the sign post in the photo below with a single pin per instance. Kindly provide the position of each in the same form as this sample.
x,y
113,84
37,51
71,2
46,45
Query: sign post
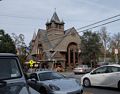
x,y
116,57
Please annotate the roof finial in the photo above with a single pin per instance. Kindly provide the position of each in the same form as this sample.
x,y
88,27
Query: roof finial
x,y
55,9
55,18
47,21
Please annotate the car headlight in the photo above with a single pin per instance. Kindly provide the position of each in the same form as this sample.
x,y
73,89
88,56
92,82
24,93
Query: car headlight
x,y
54,88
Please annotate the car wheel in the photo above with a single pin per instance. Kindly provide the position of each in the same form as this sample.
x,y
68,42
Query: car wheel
x,y
119,85
86,82
43,90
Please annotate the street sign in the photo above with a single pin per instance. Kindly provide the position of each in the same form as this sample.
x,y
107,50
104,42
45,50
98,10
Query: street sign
x,y
31,62
116,51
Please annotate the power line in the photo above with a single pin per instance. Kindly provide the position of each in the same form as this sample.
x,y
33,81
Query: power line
x,y
93,26
78,28
84,30
99,22
100,25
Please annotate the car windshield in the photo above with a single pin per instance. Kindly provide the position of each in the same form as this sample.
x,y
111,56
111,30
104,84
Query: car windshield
x,y
9,68
14,88
49,76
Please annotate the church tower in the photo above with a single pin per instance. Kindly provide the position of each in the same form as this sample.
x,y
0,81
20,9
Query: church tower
x,y
55,25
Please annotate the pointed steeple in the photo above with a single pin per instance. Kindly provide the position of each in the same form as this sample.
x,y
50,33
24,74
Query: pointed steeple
x,y
34,37
55,18
55,24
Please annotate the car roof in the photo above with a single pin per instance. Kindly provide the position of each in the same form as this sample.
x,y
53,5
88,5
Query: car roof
x,y
7,54
115,65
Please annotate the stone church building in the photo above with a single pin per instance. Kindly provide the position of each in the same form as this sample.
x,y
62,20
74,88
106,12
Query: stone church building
x,y
54,44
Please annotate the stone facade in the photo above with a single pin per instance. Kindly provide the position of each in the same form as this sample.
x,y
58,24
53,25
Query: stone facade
x,y
56,44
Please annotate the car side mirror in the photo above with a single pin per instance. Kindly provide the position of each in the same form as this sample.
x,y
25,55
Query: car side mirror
x,y
33,77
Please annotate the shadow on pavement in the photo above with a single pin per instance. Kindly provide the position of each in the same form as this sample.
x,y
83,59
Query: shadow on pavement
x,y
105,88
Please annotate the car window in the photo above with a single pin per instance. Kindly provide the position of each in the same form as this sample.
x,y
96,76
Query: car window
x,y
9,68
115,69
49,76
100,70
14,88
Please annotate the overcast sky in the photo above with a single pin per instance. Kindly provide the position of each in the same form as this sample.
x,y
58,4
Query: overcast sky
x,y
27,16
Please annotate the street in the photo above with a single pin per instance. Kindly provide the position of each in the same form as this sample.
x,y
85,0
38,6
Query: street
x,y
93,90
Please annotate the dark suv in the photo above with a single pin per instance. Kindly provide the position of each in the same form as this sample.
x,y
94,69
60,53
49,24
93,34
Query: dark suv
x,y
12,79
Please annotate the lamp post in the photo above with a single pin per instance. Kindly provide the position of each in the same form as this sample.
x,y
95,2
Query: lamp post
x,y
79,51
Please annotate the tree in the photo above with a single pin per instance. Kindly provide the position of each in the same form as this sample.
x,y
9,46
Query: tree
x,y
115,44
105,39
6,43
90,47
20,44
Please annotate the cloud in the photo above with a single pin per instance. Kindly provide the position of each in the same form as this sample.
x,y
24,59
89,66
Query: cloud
x,y
26,16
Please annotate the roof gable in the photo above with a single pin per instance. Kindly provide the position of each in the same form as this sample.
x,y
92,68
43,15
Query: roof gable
x,y
71,35
57,55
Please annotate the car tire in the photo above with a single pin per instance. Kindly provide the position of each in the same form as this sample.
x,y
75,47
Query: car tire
x,y
43,90
86,82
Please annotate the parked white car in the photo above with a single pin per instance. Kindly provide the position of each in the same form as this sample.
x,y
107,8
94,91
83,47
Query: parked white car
x,y
49,82
81,69
106,76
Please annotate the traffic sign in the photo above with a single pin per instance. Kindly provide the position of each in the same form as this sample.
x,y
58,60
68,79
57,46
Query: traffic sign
x,y
31,62
116,51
